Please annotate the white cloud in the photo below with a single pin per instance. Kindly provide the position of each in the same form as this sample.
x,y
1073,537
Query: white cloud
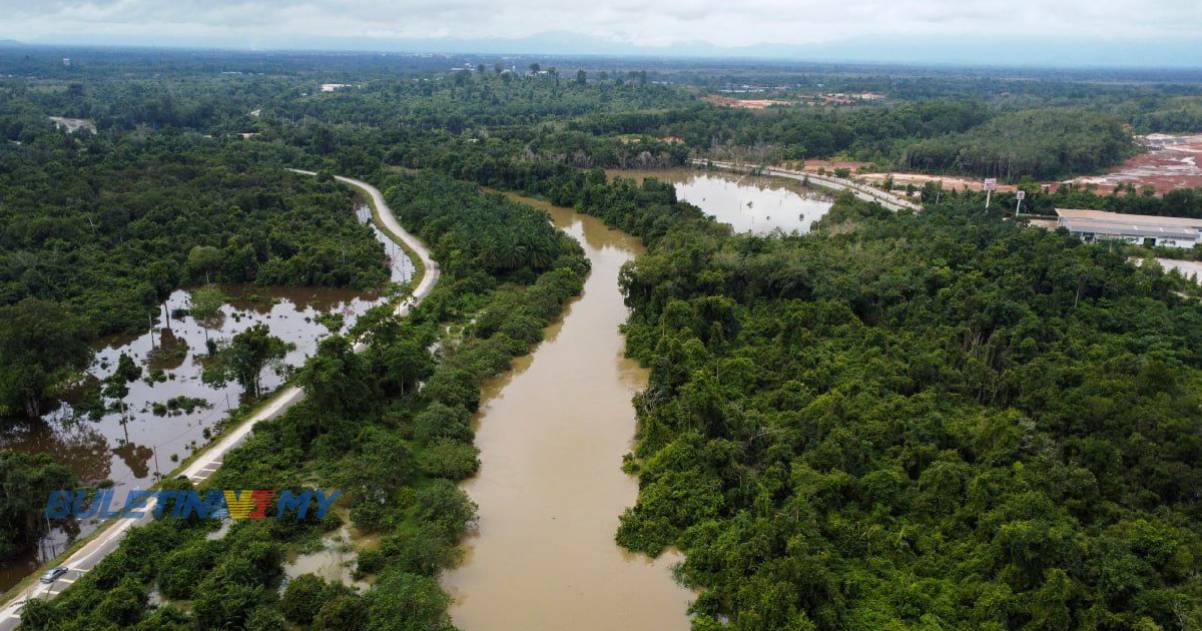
x,y
720,22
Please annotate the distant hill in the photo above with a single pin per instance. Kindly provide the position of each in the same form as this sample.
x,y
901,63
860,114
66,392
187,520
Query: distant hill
x,y
1001,49
10,43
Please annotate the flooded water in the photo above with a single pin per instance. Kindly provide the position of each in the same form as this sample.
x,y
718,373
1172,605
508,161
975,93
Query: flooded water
x,y
335,561
1188,269
749,203
550,489
154,435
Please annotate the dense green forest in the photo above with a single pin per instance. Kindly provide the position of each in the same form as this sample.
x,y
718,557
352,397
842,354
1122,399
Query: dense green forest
x,y
906,420
97,231
1180,115
938,420
1042,124
992,370
915,422
108,227
25,482
1043,144
872,132
365,428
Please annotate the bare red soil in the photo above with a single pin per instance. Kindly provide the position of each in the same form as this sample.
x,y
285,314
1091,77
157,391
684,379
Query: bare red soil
x,y
1171,162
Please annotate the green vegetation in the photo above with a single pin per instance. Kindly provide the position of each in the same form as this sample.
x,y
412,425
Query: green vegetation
x,y
1180,115
243,358
924,420
111,228
1043,144
964,137
364,428
870,133
96,232
25,482
1181,202
900,421
42,348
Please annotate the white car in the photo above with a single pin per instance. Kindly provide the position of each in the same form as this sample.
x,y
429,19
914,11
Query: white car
x,y
52,575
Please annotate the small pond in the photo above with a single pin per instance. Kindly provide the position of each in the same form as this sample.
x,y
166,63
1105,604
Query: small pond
x,y
749,203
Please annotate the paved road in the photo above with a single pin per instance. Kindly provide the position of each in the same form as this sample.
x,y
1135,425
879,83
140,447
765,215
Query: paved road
x,y
864,192
107,540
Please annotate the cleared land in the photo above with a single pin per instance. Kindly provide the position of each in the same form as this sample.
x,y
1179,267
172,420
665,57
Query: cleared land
x,y
747,104
1171,162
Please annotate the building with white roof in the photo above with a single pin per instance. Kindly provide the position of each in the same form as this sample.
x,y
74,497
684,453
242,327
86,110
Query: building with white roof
x,y
1099,225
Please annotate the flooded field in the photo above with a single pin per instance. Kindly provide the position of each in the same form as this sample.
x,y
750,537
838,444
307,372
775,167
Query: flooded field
x,y
334,561
171,412
748,203
552,433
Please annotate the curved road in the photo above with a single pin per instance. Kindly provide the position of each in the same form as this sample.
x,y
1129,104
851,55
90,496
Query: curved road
x,y
206,463
866,193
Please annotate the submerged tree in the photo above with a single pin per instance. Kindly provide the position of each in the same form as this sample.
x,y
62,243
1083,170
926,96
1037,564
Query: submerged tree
x,y
116,385
205,305
244,358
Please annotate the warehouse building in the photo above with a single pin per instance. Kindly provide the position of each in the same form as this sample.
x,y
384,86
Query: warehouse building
x,y
1099,225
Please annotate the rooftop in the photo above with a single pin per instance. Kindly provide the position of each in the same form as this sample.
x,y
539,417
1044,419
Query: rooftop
x,y
1102,215
1102,222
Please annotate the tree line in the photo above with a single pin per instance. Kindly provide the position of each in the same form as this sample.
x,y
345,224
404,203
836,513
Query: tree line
x,y
96,232
913,420
365,427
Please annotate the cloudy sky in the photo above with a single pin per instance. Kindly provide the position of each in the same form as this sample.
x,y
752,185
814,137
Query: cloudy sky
x,y
817,25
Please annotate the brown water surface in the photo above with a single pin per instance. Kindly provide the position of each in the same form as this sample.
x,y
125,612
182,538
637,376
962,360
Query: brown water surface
x,y
749,203
550,488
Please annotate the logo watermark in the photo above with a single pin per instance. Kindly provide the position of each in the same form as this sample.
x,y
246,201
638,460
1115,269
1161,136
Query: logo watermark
x,y
212,504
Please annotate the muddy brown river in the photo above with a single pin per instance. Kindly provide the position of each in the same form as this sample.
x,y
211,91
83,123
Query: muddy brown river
x,y
552,433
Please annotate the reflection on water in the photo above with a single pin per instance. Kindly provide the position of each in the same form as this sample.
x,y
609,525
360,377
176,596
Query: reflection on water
x,y
749,203
552,434
130,449
334,562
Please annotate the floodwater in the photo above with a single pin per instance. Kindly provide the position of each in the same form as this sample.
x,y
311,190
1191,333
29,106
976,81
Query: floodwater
x,y
131,451
551,434
749,203
334,561
1189,269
